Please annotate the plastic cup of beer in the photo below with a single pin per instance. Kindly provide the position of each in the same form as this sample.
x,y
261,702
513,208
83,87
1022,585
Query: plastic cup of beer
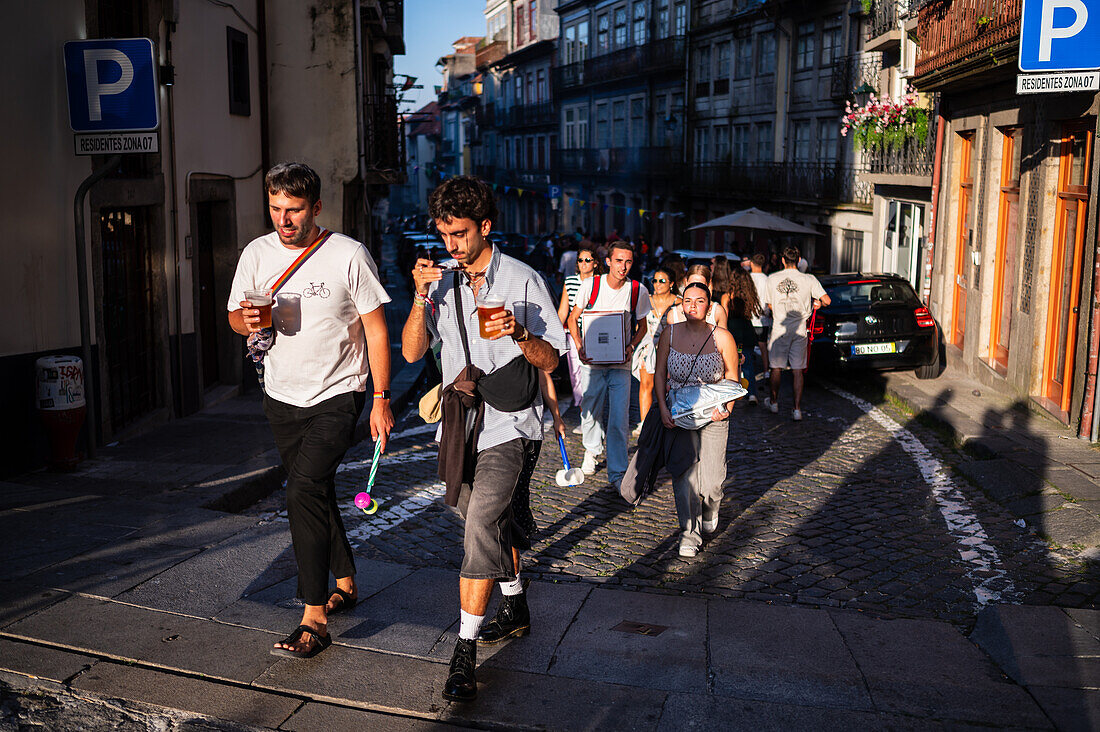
x,y
261,300
487,307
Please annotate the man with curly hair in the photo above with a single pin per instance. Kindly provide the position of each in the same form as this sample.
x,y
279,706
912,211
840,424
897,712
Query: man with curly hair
x,y
486,445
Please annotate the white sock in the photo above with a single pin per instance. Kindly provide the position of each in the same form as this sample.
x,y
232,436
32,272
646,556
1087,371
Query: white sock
x,y
470,625
511,587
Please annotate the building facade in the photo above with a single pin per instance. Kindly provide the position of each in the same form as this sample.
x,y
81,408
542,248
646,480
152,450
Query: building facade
x,y
765,118
1013,196
619,91
164,230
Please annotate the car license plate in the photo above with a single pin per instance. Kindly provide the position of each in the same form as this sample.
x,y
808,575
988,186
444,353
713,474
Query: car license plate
x,y
867,349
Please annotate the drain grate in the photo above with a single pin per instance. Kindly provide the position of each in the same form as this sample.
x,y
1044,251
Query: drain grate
x,y
633,626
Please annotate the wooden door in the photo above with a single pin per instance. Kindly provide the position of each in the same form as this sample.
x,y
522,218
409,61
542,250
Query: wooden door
x,y
962,241
1005,259
1065,270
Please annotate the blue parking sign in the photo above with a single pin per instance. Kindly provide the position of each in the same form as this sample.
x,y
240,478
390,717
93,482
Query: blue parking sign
x,y
112,85
1060,35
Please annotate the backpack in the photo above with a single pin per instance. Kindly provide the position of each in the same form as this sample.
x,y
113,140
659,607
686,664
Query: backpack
x,y
635,290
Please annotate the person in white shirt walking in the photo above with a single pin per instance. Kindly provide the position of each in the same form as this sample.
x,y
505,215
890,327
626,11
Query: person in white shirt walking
x,y
610,383
326,337
792,296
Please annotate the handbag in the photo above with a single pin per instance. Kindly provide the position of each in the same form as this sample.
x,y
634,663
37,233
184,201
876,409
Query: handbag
x,y
260,342
682,400
512,387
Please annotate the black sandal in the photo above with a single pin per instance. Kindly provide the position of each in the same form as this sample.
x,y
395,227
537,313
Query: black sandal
x,y
320,643
347,602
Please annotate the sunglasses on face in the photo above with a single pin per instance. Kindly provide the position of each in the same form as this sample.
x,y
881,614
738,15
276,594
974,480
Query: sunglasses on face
x,y
661,281
586,260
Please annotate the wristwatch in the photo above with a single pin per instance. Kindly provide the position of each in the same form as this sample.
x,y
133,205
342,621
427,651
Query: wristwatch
x,y
525,337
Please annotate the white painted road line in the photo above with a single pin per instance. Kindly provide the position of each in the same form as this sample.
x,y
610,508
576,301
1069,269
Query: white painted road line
x,y
991,581
362,527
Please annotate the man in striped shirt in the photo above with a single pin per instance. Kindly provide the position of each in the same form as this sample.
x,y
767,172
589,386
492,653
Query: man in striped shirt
x,y
463,209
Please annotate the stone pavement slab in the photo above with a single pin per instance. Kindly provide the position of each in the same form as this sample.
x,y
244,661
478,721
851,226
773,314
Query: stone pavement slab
x,y
315,716
128,633
358,677
674,660
1071,710
519,700
706,713
781,654
246,706
277,609
40,661
216,578
20,598
928,669
1042,646
408,616
111,569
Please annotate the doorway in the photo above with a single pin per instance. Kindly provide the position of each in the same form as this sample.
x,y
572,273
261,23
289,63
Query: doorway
x,y
1004,268
1065,270
904,244
964,238
130,353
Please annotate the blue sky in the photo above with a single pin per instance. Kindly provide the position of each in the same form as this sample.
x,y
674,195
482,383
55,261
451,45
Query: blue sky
x,y
430,28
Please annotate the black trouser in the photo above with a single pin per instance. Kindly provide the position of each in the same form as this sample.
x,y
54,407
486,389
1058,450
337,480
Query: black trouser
x,y
312,442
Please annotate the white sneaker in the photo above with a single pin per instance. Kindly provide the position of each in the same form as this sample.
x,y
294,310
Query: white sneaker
x,y
796,415
588,467
577,430
772,406
709,527
637,431
687,550
752,399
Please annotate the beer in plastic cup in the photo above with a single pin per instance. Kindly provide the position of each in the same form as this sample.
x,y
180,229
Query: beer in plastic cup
x,y
487,307
261,300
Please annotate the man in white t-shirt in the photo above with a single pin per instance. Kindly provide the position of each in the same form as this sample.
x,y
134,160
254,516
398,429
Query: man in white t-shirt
x,y
329,331
762,323
792,296
610,383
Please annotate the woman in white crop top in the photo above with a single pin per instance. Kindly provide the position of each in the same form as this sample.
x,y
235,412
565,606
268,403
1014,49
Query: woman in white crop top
x,y
696,352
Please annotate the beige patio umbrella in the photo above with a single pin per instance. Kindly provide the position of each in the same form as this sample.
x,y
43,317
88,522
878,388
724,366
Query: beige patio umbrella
x,y
754,218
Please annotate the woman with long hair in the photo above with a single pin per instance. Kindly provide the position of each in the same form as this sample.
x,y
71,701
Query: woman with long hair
x,y
689,353
744,305
720,281
588,265
645,358
716,314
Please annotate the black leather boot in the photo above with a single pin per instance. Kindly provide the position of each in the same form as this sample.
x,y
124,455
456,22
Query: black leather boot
x,y
461,684
513,618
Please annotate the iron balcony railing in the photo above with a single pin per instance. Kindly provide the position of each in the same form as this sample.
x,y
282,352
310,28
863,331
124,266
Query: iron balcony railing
x,y
384,144
952,31
910,158
643,161
884,16
856,74
527,115
665,54
784,181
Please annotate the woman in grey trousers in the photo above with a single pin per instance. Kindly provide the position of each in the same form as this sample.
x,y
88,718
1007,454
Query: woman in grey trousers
x,y
695,352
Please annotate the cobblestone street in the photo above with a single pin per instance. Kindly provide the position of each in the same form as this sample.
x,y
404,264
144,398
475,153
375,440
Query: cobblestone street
x,y
845,509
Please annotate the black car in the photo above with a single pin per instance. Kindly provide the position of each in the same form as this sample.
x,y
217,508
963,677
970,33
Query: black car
x,y
875,322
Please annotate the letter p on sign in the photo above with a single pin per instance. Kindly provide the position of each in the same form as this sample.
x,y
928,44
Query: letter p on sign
x,y
112,85
1059,35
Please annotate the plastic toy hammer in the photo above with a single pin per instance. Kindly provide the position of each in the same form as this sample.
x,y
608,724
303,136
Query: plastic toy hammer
x,y
363,501
568,476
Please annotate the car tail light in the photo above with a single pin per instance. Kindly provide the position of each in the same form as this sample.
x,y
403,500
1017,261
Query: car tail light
x,y
924,318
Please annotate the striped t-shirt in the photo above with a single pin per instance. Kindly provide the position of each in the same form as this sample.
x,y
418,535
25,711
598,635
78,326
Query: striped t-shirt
x,y
572,284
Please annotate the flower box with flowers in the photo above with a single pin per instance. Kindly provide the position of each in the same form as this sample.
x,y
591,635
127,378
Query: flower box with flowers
x,y
886,122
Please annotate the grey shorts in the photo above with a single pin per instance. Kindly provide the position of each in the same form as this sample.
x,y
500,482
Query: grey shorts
x,y
491,528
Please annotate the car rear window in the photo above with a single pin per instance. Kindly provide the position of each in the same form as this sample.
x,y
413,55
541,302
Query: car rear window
x,y
867,294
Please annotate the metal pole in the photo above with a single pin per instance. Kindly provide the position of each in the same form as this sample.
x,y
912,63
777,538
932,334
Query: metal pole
x,y
82,293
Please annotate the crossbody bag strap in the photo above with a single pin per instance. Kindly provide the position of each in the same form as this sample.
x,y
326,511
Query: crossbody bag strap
x,y
691,369
301,260
461,317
